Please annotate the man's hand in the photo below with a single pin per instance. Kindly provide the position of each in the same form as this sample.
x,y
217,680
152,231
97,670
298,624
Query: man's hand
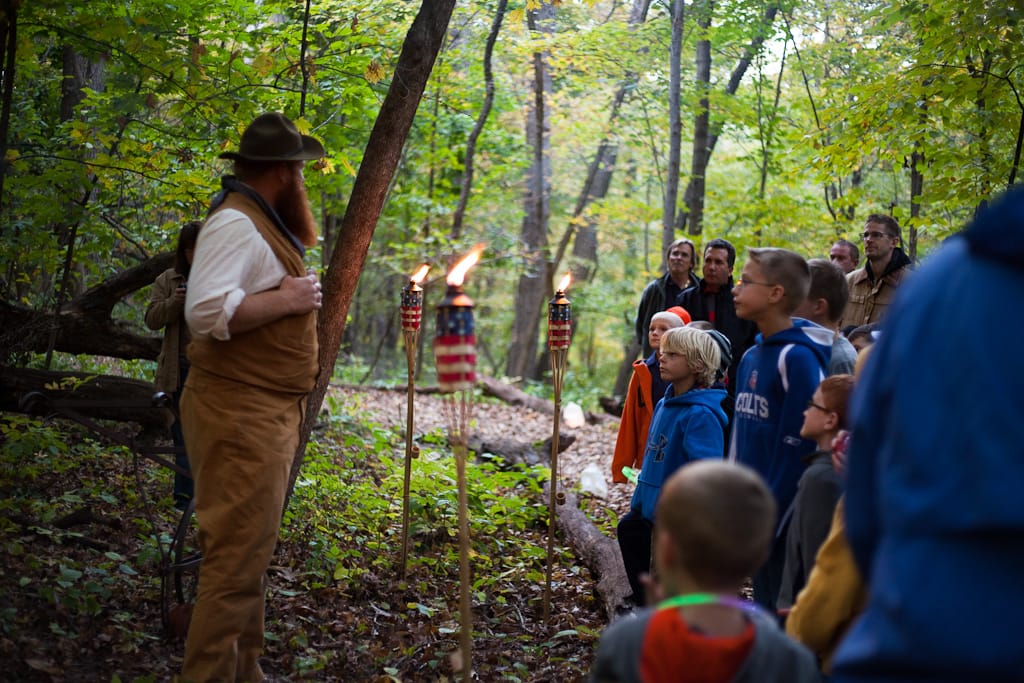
x,y
293,296
302,293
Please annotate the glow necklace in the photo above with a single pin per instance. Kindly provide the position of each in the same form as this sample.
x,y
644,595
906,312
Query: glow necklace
x,y
690,599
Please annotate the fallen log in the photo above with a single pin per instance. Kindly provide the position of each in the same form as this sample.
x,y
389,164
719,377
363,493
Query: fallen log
x,y
519,452
101,397
517,397
598,552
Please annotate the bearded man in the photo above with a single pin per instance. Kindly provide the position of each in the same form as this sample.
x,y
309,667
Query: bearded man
x,y
251,307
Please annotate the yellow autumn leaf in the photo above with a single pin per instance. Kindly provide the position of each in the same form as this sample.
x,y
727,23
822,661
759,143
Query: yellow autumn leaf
x,y
262,64
324,165
348,167
374,72
515,16
12,156
302,125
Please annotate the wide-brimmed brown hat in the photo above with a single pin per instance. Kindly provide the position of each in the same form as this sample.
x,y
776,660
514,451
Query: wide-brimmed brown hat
x,y
273,137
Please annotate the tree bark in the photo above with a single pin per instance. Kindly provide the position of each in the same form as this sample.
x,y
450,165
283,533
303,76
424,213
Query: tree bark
x,y
101,397
383,151
675,131
533,279
598,552
701,122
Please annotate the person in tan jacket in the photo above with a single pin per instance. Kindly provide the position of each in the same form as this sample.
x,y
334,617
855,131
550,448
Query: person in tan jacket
x,y
166,311
873,287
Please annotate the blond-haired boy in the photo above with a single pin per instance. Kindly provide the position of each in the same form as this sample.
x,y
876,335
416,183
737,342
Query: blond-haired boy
x,y
688,424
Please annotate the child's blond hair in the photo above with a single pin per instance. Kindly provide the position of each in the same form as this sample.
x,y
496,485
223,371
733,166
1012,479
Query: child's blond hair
x,y
698,348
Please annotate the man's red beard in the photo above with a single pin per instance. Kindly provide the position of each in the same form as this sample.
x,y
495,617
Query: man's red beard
x,y
293,207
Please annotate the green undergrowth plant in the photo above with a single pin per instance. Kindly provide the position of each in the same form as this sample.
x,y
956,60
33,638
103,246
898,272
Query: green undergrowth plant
x,y
347,506
78,520
340,551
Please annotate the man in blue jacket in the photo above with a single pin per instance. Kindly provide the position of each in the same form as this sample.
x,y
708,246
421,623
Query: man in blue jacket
x,y
935,472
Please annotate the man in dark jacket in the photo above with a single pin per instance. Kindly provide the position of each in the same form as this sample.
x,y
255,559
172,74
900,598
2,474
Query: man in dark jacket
x,y
711,300
661,294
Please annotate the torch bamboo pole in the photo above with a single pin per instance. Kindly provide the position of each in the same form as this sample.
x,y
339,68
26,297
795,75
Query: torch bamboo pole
x,y
558,362
410,357
458,409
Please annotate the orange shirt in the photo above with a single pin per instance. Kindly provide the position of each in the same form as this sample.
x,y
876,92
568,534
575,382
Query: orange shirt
x,y
674,653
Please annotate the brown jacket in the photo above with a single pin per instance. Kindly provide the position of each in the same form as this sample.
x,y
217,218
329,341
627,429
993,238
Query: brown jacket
x,y
281,356
868,302
165,312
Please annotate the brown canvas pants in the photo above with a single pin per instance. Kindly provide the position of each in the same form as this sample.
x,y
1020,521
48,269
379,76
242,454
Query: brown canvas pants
x,y
241,441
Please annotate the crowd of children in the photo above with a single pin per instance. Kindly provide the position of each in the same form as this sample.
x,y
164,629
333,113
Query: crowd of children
x,y
700,524
899,562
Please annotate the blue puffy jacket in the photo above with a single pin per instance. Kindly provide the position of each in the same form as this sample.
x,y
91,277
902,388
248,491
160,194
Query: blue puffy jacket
x,y
687,427
935,472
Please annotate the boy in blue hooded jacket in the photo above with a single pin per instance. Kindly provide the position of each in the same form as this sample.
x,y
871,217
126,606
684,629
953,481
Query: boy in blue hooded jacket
x,y
775,380
688,424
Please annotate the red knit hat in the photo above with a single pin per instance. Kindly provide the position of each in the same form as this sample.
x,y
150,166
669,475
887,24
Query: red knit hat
x,y
682,313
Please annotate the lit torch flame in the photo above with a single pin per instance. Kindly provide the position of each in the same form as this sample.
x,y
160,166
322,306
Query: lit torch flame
x,y
457,274
564,284
418,276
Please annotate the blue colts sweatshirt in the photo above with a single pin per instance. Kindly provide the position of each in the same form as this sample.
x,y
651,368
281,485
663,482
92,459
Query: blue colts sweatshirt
x,y
775,380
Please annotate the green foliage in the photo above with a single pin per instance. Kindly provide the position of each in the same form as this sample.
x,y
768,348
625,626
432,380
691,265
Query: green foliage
x,y
341,513
863,86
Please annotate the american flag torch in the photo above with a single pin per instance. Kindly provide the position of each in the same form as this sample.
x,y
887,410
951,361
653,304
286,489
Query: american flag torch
x,y
412,312
559,336
455,357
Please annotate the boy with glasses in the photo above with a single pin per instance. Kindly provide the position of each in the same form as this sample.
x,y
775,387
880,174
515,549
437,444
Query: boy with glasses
x,y
873,287
820,485
774,381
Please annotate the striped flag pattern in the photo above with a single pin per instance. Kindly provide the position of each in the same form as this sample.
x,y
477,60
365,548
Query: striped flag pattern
x,y
412,309
455,348
559,325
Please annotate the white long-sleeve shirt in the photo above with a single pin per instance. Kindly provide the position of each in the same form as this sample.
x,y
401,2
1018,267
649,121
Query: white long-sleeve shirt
x,y
232,260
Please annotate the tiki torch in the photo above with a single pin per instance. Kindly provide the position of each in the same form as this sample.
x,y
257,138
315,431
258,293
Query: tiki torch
x,y
455,356
412,312
559,336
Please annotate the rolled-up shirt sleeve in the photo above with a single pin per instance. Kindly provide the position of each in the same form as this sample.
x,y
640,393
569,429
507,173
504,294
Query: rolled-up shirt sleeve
x,y
231,261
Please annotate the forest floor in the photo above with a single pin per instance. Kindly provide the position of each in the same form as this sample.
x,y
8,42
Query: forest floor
x,y
82,603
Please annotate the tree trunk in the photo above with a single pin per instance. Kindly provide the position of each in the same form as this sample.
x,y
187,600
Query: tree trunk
x,y
485,110
100,397
533,280
383,150
701,122
916,189
730,89
8,52
84,325
675,131
598,552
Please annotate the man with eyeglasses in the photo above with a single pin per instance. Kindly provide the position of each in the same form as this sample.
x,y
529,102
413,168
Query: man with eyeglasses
x,y
873,287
